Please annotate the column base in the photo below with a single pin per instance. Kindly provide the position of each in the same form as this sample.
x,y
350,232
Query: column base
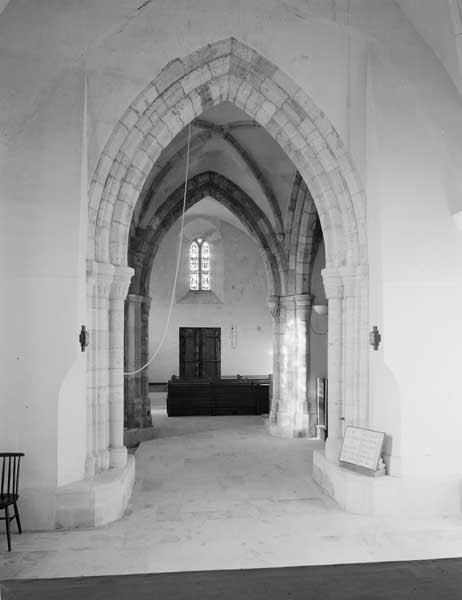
x,y
147,420
90,465
333,447
133,437
286,431
118,457
97,501
283,425
103,459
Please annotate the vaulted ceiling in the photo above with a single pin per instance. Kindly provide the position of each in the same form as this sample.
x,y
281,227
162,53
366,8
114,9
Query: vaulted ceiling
x,y
226,141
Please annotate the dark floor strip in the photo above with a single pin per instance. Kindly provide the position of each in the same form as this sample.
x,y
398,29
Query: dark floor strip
x,y
422,579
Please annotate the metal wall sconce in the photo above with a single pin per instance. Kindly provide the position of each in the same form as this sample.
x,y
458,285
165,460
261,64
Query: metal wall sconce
x,y
84,338
375,338
320,309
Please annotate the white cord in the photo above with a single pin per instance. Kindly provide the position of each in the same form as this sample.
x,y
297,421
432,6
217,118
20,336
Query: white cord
x,y
172,299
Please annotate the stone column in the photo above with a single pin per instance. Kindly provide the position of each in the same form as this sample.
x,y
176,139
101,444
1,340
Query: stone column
x,y
283,424
91,459
104,277
133,360
145,399
275,309
119,288
333,286
302,316
350,398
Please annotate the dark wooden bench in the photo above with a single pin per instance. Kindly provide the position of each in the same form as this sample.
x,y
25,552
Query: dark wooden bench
x,y
226,396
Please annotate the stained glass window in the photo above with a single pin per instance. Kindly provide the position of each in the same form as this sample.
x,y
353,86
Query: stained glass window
x,y
199,265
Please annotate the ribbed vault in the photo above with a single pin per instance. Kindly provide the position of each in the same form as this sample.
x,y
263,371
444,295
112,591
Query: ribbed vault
x,y
202,133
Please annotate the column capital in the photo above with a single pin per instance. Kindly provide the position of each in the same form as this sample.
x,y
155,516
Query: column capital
x,y
303,300
104,276
274,306
121,282
349,276
135,298
302,306
91,272
333,282
288,302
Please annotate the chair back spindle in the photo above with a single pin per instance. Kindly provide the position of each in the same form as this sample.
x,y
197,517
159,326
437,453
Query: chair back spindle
x,y
9,484
9,490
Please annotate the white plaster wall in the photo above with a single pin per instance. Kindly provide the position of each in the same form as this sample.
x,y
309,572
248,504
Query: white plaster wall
x,y
239,282
416,277
43,378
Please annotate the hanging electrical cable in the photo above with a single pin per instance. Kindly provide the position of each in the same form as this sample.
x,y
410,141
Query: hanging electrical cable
x,y
172,299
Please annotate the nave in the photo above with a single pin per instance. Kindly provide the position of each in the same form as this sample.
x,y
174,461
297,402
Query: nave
x,y
220,493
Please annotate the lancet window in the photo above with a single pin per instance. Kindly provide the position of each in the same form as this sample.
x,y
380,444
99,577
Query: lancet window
x,y
199,265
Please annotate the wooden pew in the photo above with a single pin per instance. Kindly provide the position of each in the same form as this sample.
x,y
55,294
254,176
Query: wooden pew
x,y
225,396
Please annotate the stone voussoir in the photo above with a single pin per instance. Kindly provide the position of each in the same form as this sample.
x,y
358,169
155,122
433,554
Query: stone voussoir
x,y
195,78
172,72
273,92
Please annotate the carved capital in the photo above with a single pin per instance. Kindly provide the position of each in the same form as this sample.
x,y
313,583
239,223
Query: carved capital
x,y
91,272
288,307
135,299
104,274
302,306
288,302
302,300
121,282
333,282
274,306
349,279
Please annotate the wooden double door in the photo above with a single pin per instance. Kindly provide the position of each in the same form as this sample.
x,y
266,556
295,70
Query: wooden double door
x,y
200,352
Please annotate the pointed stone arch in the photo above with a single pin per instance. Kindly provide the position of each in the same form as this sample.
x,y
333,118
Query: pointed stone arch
x,y
144,244
231,71
232,197
226,71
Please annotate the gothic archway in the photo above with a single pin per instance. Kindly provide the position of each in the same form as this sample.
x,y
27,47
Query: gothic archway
x,y
229,70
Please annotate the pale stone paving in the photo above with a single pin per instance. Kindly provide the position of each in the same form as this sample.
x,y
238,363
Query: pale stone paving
x,y
220,493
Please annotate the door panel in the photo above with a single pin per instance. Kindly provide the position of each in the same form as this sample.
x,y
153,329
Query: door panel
x,y
211,352
200,352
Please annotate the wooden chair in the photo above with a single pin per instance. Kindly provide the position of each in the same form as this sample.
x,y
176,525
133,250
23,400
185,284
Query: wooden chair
x,y
9,484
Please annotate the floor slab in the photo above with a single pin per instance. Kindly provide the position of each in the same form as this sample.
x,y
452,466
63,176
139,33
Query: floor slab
x,y
220,493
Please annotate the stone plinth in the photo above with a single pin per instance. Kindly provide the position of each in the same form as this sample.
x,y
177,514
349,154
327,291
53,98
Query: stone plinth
x,y
133,437
95,501
386,495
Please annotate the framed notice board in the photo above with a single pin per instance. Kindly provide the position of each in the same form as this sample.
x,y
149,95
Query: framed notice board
x,y
362,447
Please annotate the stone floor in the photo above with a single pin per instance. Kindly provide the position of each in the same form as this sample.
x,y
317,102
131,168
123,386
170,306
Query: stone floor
x,y
219,493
